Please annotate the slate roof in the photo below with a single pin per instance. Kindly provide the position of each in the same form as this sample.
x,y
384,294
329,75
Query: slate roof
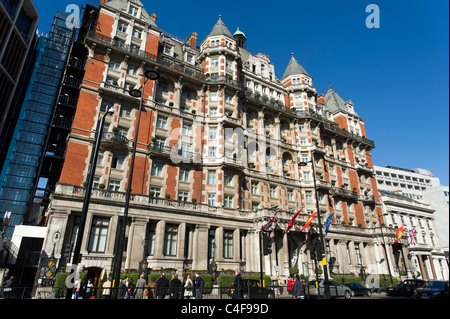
x,y
294,68
220,29
333,102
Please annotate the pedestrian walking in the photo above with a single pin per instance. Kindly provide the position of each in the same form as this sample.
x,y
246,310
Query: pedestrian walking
x,y
238,286
89,290
290,285
175,286
140,286
199,284
161,286
130,288
78,289
188,287
151,288
297,290
106,289
122,289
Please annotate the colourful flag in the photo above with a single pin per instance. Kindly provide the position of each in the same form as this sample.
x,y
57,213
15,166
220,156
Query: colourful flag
x,y
291,223
413,236
328,223
399,234
270,222
310,218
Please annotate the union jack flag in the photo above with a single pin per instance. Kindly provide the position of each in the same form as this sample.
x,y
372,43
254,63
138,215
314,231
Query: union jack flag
x,y
270,222
413,236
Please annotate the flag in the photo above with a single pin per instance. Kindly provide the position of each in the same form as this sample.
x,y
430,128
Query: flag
x,y
328,223
291,223
399,233
413,236
310,218
270,222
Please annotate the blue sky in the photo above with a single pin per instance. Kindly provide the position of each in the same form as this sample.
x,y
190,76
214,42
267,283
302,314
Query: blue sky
x,y
397,76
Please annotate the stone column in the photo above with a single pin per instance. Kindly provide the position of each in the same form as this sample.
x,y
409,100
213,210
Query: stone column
x,y
181,240
200,248
135,247
159,239
218,240
236,245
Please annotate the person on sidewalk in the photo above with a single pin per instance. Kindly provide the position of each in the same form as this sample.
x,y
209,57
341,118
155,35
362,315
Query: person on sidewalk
x,y
238,286
297,290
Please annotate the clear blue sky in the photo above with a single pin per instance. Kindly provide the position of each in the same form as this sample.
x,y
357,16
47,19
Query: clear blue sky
x,y
397,76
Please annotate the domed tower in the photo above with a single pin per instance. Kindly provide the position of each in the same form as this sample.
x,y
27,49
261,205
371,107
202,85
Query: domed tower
x,y
299,84
241,39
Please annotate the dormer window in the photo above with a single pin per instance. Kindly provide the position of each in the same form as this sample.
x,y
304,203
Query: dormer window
x,y
133,11
189,58
168,49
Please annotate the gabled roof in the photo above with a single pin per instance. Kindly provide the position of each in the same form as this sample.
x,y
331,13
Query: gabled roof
x,y
220,29
122,5
294,68
333,102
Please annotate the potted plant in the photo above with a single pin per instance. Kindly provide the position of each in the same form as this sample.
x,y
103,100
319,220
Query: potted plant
x,y
194,200
167,196
101,186
151,193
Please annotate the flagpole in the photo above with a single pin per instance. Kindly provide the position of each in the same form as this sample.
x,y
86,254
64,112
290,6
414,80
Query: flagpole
x,y
327,285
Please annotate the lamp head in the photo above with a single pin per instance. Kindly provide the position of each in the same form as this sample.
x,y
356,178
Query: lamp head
x,y
110,111
135,93
303,163
152,75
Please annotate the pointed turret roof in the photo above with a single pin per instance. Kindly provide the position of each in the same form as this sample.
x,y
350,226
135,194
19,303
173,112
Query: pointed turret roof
x,y
294,68
220,29
333,102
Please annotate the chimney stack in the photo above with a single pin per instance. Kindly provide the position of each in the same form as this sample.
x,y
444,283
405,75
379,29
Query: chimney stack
x,y
192,40
153,16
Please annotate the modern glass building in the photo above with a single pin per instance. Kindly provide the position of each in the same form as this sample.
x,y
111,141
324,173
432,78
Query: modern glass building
x,y
25,149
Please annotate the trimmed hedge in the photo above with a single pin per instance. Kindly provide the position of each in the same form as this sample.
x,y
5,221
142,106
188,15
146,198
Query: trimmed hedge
x,y
60,287
227,280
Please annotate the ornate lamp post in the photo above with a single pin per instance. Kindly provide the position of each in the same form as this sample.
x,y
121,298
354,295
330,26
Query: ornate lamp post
x,y
87,196
327,286
138,93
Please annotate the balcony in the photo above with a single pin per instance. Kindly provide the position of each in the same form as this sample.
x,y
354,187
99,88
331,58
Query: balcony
x,y
114,142
219,79
168,63
68,100
367,198
176,154
62,122
106,197
343,193
336,129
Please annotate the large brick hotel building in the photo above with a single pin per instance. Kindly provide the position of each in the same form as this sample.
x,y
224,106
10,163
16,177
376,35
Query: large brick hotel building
x,y
219,145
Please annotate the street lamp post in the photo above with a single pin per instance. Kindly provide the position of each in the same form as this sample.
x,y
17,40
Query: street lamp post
x,y
87,196
327,286
138,93
385,250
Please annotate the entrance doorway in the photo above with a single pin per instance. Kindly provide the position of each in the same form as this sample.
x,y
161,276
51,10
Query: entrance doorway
x,y
95,275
